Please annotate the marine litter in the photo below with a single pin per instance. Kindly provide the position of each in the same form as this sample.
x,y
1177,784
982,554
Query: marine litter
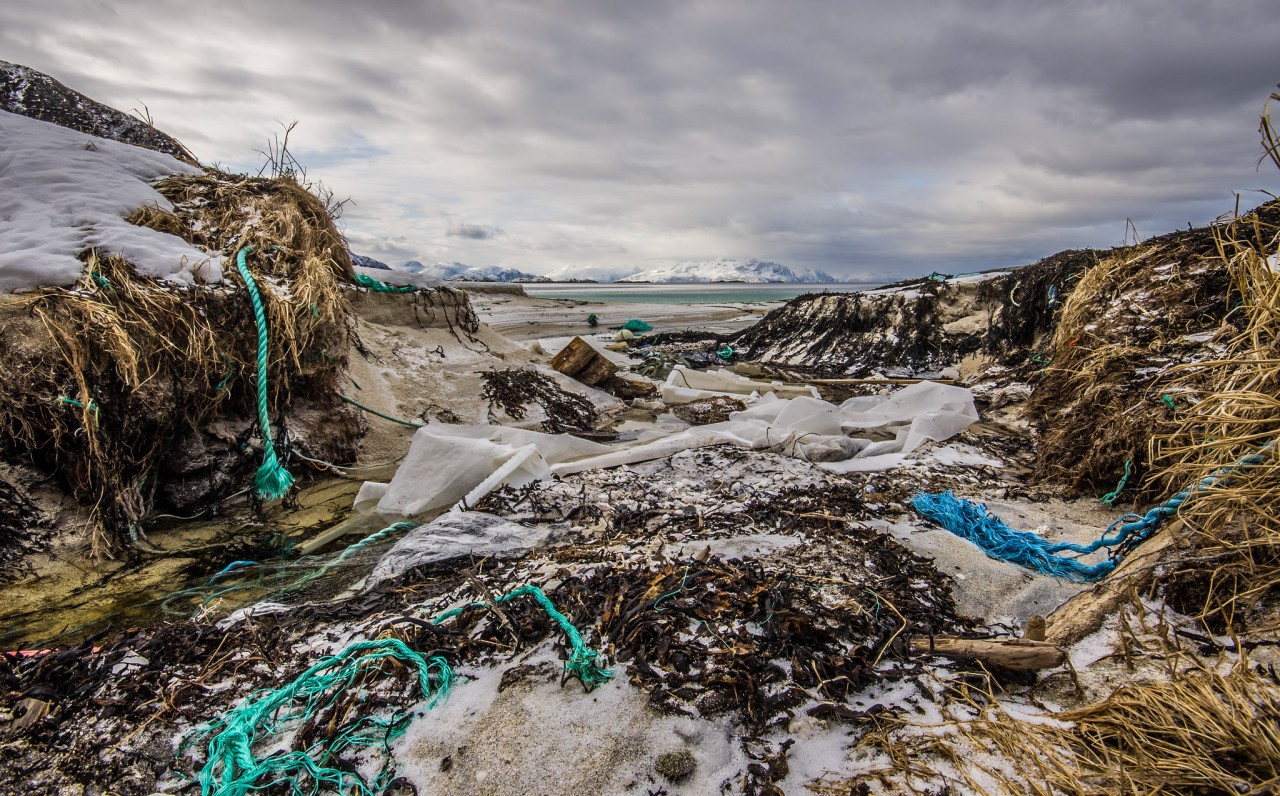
x,y
701,571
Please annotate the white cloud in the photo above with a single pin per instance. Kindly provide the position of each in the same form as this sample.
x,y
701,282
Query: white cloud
x,y
856,138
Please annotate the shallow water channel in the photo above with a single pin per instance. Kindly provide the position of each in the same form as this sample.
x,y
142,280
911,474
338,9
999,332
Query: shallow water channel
x,y
73,597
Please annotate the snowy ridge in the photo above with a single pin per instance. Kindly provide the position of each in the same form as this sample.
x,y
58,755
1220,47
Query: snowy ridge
x,y
467,273
33,94
360,261
727,269
63,192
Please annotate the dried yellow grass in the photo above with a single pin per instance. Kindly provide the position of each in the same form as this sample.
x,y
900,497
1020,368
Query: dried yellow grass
x,y
145,359
1095,411
1230,435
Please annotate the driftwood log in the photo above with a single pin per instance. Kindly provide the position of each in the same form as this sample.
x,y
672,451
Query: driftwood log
x,y
1085,613
1017,653
581,361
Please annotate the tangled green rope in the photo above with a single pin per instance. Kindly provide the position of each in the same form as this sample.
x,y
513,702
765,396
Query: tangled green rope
x,y
371,539
582,661
382,287
233,769
272,480
1111,497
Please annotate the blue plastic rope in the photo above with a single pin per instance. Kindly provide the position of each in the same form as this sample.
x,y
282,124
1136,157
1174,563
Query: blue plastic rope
x,y
272,480
974,522
229,568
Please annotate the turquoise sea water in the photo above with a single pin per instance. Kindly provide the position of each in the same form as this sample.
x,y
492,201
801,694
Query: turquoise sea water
x,y
707,293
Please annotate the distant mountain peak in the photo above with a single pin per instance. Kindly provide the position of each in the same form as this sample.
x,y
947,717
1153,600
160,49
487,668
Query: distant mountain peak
x,y
34,94
728,269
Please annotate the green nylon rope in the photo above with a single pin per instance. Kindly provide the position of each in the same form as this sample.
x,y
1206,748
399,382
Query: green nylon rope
x,y
382,287
233,769
358,405
371,539
1111,497
272,480
582,661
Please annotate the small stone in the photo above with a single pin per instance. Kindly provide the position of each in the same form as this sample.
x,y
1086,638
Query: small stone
x,y
675,766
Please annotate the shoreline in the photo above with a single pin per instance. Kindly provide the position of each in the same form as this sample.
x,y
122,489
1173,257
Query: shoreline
x,y
524,318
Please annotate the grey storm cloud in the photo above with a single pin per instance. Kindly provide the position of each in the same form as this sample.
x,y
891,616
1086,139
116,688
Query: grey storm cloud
x,y
473,231
857,137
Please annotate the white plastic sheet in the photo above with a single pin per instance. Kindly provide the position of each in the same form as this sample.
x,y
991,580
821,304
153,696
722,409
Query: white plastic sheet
x,y
453,535
819,431
458,465
441,470
685,386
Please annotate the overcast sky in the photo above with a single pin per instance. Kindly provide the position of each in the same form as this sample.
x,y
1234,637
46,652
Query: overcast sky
x,y
866,139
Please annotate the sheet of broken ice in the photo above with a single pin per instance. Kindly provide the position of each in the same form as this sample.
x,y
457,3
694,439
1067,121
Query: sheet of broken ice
x,y
453,535
63,191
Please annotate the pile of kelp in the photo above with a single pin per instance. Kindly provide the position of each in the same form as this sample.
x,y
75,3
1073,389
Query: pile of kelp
x,y
513,391
758,641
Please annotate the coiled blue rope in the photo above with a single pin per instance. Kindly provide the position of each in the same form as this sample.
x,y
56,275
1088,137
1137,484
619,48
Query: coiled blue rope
x,y
974,522
272,480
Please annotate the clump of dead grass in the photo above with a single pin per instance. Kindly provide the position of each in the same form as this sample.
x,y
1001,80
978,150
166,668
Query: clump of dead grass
x,y
112,370
1230,436
1100,397
1200,731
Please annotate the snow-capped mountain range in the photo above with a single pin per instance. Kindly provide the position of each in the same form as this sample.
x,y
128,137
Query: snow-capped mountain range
x,y
727,269
463,272
724,269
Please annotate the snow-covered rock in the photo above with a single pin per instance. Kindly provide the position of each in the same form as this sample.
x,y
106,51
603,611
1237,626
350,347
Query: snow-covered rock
x,y
727,269
63,192
360,261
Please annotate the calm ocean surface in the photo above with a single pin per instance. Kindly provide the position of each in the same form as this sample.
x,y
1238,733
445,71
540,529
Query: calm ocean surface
x,y
706,293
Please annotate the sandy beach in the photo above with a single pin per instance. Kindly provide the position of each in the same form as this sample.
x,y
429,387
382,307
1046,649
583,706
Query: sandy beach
x,y
525,318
